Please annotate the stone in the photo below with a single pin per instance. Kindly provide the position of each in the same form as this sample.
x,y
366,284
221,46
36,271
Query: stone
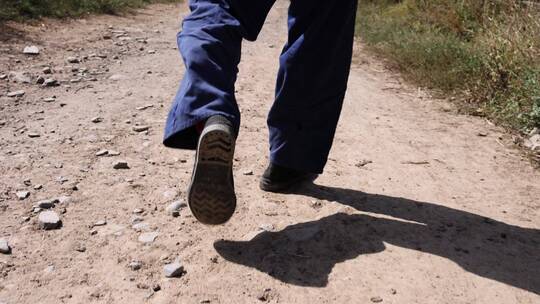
x,y
4,247
248,172
49,99
38,187
376,299
173,270
97,119
64,200
117,77
19,93
22,194
73,60
121,165
46,70
140,128
267,227
175,207
31,50
533,142
3,76
102,152
20,77
135,265
47,204
79,247
33,135
100,223
49,220
156,287
113,153
142,226
148,237
40,80
49,82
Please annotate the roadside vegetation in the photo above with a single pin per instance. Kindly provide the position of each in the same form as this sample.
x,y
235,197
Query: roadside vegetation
x,y
487,52
25,9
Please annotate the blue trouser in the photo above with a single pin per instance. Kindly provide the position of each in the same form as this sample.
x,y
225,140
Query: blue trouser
x,y
311,82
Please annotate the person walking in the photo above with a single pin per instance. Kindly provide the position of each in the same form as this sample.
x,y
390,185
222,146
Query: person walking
x,y
311,83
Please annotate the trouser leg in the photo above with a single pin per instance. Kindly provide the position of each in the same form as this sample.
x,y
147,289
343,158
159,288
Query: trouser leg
x,y
210,44
311,84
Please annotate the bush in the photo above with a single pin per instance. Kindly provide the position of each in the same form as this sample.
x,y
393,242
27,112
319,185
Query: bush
x,y
487,51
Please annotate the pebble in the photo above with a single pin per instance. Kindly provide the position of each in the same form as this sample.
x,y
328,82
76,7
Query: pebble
x,y
100,223
33,135
31,50
49,220
173,270
4,247
148,237
80,247
49,82
3,76
20,77
38,187
97,119
49,99
22,194
142,226
376,299
248,172
19,93
175,207
113,153
121,165
135,265
533,142
102,152
140,128
40,80
267,227
47,70
73,60
47,204
64,199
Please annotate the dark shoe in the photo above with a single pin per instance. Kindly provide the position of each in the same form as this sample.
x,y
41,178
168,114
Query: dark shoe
x,y
211,196
278,179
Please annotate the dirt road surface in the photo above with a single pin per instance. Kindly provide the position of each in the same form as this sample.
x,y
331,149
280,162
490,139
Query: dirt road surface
x,y
417,204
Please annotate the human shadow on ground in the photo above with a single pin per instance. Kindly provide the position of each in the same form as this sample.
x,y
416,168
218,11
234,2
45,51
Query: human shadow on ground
x,y
304,254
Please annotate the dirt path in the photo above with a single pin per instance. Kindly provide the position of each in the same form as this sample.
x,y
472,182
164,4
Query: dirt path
x,y
417,204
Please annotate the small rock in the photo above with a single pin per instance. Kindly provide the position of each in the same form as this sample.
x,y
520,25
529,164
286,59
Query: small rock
x,y
80,247
148,237
121,165
38,187
482,134
533,142
173,270
248,172
102,152
47,70
175,207
73,60
47,204
31,50
376,299
19,93
22,194
135,265
140,128
4,247
265,295
267,227
49,82
49,220
20,77
113,153
156,287
33,135
100,223
142,226
117,77
40,80
3,76
49,99
97,119
64,200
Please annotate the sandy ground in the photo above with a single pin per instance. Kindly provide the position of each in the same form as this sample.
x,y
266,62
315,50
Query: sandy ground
x,y
417,204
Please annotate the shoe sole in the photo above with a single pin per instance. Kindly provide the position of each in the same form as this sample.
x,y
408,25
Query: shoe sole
x,y
211,196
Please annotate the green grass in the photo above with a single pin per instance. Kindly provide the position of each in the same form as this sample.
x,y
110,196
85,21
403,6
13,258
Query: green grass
x,y
25,9
487,52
